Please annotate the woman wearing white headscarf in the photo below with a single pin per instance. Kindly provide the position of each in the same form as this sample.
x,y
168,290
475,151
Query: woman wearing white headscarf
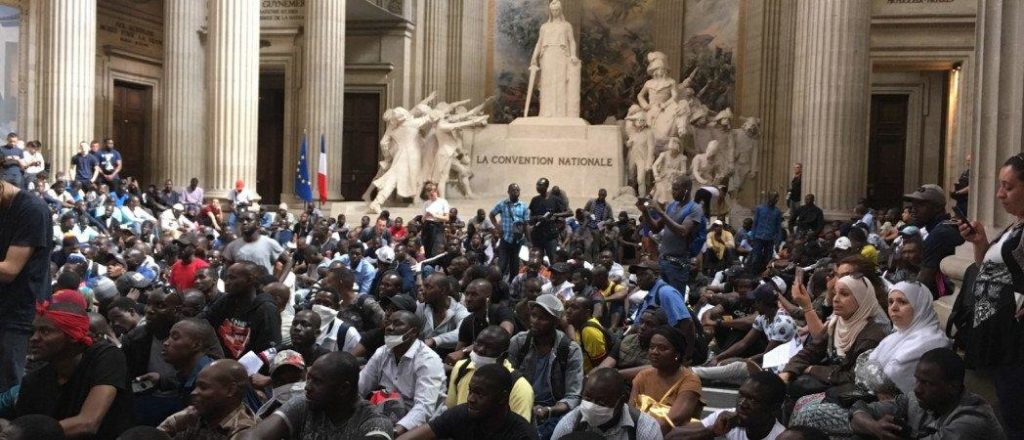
x,y
888,367
851,330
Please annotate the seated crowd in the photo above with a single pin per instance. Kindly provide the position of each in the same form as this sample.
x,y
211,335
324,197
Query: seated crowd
x,y
174,317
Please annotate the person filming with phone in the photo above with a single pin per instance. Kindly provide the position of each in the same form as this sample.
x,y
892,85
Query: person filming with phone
x,y
928,212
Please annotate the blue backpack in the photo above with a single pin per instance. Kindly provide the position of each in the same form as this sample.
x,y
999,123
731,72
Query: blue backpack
x,y
699,235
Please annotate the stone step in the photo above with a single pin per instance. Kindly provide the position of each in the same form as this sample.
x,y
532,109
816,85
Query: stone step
x,y
718,398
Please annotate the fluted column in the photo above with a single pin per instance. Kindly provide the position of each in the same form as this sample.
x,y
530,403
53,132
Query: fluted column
x,y
1000,93
434,52
324,84
68,73
184,117
234,61
831,101
668,34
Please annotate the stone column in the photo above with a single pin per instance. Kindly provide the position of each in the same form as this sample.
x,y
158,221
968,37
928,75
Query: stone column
x,y
667,33
184,117
999,121
68,74
234,65
831,101
324,85
433,53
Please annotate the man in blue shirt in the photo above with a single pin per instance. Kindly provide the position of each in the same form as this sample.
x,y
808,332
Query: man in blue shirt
x,y
10,162
678,225
766,233
514,215
86,167
360,267
110,164
662,295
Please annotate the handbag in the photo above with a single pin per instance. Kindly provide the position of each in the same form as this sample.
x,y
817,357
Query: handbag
x,y
658,408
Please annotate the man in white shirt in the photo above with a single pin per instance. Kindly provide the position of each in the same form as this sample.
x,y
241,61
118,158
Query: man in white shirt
x,y
761,397
33,162
134,215
173,221
559,284
406,366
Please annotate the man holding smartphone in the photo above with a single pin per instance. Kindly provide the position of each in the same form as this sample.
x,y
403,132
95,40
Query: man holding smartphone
x,y
941,236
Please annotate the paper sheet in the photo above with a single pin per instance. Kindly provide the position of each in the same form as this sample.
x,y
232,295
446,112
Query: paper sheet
x,y
252,363
780,355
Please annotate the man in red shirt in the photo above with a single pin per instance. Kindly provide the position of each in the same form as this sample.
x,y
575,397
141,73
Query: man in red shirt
x,y
184,270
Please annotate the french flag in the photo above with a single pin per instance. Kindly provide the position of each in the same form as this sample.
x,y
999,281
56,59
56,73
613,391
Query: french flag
x,y
321,173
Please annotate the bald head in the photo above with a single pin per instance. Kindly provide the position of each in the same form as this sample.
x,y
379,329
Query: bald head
x,y
227,372
279,293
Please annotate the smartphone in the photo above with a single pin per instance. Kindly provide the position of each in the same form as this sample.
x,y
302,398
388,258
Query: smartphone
x,y
141,386
799,276
963,218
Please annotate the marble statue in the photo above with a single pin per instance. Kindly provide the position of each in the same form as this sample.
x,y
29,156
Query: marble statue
x,y
700,128
658,98
709,168
403,176
387,150
669,165
449,142
639,147
554,58
720,126
747,143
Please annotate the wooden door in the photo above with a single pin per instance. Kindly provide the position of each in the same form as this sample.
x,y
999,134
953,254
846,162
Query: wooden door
x,y
270,151
887,150
360,143
131,129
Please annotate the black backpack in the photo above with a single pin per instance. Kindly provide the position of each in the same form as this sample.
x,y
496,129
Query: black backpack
x,y
700,340
356,315
609,340
634,413
557,369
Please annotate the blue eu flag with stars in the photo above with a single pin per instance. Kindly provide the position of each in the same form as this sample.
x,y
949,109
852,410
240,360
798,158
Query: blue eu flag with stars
x,y
302,188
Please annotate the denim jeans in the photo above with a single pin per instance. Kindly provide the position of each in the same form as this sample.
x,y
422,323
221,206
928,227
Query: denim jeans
x,y
675,273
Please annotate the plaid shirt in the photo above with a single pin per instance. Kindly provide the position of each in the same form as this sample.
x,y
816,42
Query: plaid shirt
x,y
511,215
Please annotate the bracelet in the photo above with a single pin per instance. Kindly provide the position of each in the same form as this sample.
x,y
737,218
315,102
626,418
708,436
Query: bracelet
x,y
548,412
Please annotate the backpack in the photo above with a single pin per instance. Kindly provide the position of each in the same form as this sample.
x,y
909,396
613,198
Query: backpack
x,y
463,369
356,315
700,350
630,430
557,368
698,236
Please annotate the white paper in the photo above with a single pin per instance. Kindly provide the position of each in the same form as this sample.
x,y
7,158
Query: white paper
x,y
779,356
252,363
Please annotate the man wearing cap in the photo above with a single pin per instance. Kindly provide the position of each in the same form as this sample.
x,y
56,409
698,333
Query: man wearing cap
x,y
551,361
183,272
664,296
928,212
678,225
559,286
513,224
82,384
721,246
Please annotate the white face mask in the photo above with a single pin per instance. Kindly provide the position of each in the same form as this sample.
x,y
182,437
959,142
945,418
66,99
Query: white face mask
x,y
594,414
392,341
480,361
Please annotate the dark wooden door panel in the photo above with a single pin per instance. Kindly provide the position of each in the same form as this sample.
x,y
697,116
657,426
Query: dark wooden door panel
x,y
360,143
887,150
131,120
270,133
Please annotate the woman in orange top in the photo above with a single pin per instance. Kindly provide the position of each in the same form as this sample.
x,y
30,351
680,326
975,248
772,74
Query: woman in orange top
x,y
667,390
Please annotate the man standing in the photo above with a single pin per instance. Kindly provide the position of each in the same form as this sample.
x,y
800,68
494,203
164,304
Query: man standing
x,y
252,245
795,189
192,195
680,226
11,169
330,408
86,165
33,162
766,232
962,187
545,215
110,164
605,411
514,215
928,211
217,410
809,219
598,209
26,241
245,321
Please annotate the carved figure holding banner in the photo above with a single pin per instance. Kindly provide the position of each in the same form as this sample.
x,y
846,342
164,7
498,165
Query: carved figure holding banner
x,y
554,58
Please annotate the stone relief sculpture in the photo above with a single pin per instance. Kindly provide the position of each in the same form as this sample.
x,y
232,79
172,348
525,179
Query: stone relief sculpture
x,y
387,149
449,142
404,175
747,142
708,168
554,57
669,165
658,98
639,148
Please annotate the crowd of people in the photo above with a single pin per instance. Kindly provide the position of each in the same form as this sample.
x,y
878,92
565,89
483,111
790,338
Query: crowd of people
x,y
131,313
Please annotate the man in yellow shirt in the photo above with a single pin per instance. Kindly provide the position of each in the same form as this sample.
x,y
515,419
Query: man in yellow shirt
x,y
589,332
490,346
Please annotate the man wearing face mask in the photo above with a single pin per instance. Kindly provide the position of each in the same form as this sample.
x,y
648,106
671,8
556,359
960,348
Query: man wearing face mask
x,y
406,366
485,415
490,347
604,411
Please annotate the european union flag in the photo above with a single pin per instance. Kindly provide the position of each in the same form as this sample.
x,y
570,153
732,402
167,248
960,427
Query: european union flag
x,y
302,188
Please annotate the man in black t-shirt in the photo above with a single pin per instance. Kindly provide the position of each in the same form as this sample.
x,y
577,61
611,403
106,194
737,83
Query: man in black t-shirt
x,y
82,384
545,214
485,415
245,321
26,241
483,313
331,407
